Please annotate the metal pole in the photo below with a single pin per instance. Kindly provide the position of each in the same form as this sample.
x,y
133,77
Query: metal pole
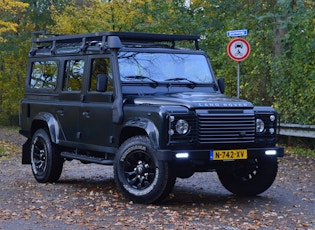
x,y
238,79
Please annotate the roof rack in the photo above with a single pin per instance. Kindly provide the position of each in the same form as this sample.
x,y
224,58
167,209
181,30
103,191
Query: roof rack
x,y
58,43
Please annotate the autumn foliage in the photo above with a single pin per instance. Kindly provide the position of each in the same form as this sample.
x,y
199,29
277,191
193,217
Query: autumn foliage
x,y
8,9
279,71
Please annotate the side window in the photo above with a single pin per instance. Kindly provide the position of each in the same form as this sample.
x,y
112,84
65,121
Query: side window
x,y
73,75
101,66
44,75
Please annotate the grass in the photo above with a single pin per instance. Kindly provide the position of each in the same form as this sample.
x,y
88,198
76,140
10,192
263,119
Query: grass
x,y
300,151
301,146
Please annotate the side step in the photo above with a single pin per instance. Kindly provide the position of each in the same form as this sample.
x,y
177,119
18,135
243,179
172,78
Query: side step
x,y
86,159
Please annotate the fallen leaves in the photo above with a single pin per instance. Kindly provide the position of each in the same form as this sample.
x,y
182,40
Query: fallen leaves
x,y
86,198
7,148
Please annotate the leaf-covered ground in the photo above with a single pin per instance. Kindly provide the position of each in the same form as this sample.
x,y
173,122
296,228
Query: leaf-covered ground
x,y
86,198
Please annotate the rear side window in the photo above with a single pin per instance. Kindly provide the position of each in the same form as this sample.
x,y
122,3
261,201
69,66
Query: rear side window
x,y
44,75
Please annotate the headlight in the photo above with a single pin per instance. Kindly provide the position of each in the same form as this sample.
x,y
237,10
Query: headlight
x,y
182,126
260,126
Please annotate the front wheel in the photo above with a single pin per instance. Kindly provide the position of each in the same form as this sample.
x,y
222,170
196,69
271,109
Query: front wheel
x,y
139,175
251,177
46,163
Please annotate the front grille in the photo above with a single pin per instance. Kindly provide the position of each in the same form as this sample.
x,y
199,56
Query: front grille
x,y
227,128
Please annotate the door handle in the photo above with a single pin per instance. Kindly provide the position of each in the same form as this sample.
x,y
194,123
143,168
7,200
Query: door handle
x,y
86,114
60,112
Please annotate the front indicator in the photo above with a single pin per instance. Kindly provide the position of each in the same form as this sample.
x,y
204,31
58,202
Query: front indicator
x,y
182,155
270,152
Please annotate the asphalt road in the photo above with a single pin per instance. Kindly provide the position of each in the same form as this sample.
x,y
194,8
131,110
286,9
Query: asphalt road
x,y
85,197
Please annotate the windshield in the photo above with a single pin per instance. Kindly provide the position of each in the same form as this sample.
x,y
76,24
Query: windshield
x,y
164,67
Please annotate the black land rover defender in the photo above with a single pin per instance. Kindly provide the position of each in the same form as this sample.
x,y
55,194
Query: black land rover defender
x,y
149,108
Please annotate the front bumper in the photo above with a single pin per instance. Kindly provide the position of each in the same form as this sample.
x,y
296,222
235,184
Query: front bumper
x,y
204,155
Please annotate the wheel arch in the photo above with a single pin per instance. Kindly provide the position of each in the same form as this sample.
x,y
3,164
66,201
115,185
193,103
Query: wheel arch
x,y
140,126
48,121
40,121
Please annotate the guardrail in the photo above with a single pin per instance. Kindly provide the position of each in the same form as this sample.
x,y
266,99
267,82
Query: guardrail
x,y
296,130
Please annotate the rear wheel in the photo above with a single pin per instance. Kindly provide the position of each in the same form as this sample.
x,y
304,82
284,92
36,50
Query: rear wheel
x,y
139,176
251,177
45,160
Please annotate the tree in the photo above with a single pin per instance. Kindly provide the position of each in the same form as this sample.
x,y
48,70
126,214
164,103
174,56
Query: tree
x,y
10,79
279,71
293,70
273,24
8,10
96,15
167,16
40,14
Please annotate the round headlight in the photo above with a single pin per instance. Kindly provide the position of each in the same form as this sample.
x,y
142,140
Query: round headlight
x,y
260,126
182,126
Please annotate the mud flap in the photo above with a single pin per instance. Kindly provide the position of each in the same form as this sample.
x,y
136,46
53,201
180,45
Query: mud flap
x,y
26,152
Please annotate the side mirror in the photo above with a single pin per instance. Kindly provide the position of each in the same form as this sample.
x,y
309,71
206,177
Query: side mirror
x,y
221,84
101,82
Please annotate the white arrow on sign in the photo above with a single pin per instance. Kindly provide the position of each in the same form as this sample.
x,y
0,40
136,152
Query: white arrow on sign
x,y
237,33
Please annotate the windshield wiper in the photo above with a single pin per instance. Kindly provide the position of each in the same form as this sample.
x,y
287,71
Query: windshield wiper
x,y
183,79
140,77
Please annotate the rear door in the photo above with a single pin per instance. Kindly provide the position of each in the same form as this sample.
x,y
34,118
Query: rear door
x,y
68,107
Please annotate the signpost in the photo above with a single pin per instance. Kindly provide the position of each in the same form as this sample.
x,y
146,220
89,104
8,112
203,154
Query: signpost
x,y
236,33
238,49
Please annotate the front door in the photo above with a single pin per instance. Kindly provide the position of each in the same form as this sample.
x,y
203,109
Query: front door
x,y
96,110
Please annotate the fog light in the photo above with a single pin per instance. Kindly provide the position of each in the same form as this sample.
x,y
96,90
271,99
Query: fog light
x,y
270,152
271,130
182,155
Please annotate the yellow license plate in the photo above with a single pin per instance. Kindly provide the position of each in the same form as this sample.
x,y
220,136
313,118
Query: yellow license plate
x,y
231,154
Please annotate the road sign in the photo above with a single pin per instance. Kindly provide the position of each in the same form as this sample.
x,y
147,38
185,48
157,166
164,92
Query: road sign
x,y
238,49
237,33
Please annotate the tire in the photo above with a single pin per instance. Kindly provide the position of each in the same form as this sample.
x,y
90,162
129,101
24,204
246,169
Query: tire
x,y
138,174
45,161
251,177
